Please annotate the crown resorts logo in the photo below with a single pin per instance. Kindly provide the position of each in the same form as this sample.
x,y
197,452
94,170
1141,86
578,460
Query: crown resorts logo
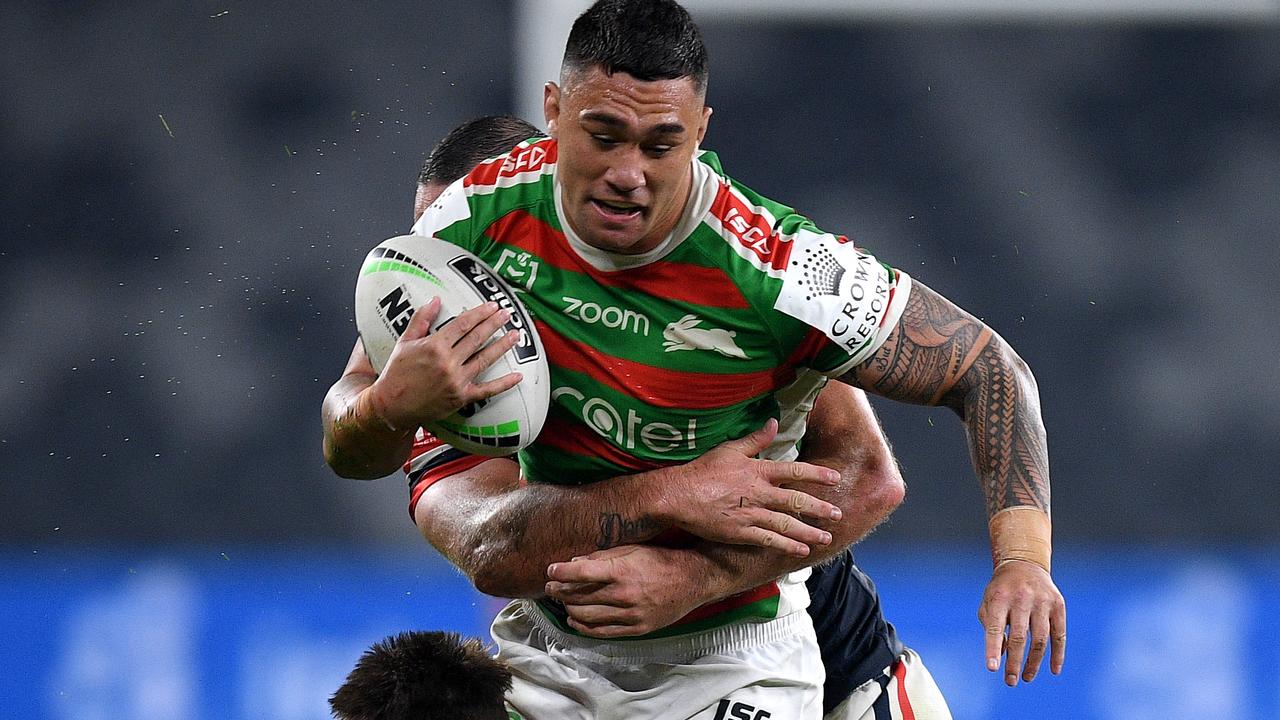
x,y
820,272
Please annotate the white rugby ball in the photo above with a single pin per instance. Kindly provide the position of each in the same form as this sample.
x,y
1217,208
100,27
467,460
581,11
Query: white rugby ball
x,y
402,274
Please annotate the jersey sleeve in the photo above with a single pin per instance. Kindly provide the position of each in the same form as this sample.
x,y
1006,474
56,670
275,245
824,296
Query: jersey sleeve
x,y
466,209
432,460
449,217
850,300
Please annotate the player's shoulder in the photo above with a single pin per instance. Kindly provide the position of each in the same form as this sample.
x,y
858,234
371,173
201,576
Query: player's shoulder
x,y
520,179
787,265
528,162
761,234
744,221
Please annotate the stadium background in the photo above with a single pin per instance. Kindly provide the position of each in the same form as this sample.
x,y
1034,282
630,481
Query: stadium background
x,y
189,189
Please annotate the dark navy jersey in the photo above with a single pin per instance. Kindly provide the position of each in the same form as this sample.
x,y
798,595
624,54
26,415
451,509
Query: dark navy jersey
x,y
856,642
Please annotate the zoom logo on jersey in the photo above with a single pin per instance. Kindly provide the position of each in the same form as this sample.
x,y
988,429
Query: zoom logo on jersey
x,y
611,317
732,710
492,290
397,311
625,432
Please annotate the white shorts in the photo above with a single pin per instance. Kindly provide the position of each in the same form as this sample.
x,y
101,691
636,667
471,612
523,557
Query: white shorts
x,y
906,691
751,671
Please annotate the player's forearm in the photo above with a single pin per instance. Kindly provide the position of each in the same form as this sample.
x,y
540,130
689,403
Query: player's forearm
x,y
942,355
503,536
357,444
1001,412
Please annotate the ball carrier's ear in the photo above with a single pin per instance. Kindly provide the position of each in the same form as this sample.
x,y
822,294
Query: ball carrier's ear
x,y
706,122
551,96
407,272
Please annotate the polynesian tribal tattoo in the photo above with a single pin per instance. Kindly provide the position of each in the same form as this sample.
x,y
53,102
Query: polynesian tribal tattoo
x,y
941,355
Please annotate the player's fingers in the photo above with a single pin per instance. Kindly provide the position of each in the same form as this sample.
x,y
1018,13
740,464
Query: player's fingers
x,y
581,593
471,343
1038,627
600,615
802,503
754,443
785,473
488,389
766,538
455,329
420,324
993,615
1015,644
581,571
790,527
1058,636
488,355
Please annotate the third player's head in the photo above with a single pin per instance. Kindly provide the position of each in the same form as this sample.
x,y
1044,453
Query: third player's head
x,y
465,147
628,115
424,676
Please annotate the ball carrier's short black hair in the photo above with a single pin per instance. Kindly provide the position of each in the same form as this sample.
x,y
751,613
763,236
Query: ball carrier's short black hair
x,y
424,676
472,142
647,39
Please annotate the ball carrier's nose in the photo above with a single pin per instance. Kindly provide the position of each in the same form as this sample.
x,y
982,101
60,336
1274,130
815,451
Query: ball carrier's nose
x,y
625,173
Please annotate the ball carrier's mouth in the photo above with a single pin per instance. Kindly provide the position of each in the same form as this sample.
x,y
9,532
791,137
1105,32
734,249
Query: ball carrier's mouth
x,y
617,210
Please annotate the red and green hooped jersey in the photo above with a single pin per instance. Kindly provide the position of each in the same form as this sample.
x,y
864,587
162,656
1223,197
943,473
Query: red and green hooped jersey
x,y
738,316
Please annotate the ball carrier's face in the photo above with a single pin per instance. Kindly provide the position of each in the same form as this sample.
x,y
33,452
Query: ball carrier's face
x,y
625,147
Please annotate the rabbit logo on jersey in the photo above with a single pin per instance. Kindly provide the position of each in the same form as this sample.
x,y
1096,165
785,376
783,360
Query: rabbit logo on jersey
x,y
832,286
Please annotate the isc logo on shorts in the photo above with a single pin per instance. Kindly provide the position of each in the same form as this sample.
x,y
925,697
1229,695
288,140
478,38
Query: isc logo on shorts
x,y
730,710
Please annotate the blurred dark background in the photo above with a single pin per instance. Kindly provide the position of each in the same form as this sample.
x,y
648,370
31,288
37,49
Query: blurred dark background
x,y
190,188
189,191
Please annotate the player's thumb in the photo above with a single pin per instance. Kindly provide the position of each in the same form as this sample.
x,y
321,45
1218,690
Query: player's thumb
x,y
754,443
423,318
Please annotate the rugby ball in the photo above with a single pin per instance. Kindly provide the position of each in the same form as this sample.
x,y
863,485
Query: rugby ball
x,y
404,273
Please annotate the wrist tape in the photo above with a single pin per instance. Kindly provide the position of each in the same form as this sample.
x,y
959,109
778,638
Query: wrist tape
x,y
1021,533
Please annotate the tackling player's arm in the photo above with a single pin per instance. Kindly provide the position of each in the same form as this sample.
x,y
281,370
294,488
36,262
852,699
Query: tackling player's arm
x,y
369,420
939,354
634,590
504,534
356,443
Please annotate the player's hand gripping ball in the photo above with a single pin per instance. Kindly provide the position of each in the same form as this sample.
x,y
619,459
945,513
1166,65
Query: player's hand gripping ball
x,y
402,274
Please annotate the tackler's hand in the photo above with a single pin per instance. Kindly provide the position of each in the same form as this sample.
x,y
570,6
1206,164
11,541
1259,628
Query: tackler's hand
x,y
729,496
625,591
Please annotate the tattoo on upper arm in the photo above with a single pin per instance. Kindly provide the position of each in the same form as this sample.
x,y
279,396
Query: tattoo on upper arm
x,y
941,355
935,344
